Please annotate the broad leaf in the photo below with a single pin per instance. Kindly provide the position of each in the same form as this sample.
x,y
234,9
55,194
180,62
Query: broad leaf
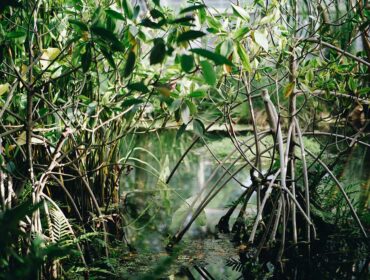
x,y
127,7
198,127
241,32
208,73
140,86
214,23
260,38
151,24
108,56
130,64
240,12
216,58
190,35
156,14
86,58
310,76
114,14
226,47
193,109
183,21
109,37
15,34
192,8
352,84
199,93
81,25
158,52
244,57
132,101
181,130
175,105
187,62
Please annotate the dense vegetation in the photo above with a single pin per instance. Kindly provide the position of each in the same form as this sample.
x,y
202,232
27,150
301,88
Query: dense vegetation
x,y
82,80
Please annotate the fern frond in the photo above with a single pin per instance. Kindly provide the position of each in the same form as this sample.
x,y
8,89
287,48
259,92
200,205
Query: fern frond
x,y
235,265
60,226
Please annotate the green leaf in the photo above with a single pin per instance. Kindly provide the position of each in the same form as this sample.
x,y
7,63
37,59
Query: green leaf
x,y
156,14
86,58
182,21
175,105
181,130
198,127
190,35
367,13
240,12
132,101
241,32
208,73
260,37
108,36
127,8
193,109
191,8
91,108
199,93
158,52
187,62
15,34
212,30
97,15
114,14
140,86
81,25
244,57
216,58
108,56
151,24
310,76
226,47
364,91
136,11
130,64
213,23
202,15
352,84
9,219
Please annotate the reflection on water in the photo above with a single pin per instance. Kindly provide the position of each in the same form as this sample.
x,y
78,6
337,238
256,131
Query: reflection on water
x,y
331,258
149,205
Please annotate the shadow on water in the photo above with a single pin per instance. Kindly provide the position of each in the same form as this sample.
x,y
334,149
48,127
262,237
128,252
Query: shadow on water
x,y
333,258
149,206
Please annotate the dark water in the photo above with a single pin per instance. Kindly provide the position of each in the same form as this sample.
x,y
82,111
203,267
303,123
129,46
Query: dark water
x,y
150,204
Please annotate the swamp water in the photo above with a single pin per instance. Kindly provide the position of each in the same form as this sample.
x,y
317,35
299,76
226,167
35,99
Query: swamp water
x,y
153,211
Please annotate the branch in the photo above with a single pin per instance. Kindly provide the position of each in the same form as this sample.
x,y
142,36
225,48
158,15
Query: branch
x,y
330,46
